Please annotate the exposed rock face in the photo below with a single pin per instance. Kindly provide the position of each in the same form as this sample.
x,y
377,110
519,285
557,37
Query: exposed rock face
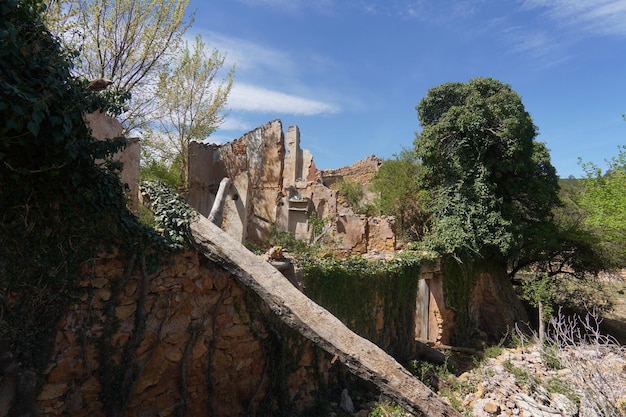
x,y
361,171
381,234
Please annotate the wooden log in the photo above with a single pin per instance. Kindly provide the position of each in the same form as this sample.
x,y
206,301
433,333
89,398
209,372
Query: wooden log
x,y
359,355
425,352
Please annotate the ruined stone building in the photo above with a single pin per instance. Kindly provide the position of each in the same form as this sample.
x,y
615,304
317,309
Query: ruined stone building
x,y
276,184
216,330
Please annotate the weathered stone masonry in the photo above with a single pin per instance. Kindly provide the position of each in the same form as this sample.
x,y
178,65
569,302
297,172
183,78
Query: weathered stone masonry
x,y
209,347
276,184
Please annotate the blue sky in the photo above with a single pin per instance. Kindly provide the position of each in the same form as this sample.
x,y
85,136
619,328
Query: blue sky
x,y
349,73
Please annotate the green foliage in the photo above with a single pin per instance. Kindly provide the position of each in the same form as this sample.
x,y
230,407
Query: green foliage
x,y
387,409
397,184
492,186
557,386
539,290
442,379
171,212
320,229
493,352
522,376
127,41
357,291
61,200
570,246
162,171
603,198
191,101
551,356
289,242
352,192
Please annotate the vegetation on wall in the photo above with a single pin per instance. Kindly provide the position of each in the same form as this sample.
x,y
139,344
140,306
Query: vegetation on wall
x,y
352,193
359,292
491,186
61,201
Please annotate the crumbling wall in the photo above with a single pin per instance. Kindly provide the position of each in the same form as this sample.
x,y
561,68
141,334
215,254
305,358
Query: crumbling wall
x,y
184,340
276,184
361,171
255,163
394,310
105,127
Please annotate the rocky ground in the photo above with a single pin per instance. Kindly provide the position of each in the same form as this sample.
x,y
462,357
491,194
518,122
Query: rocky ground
x,y
582,381
591,381
583,377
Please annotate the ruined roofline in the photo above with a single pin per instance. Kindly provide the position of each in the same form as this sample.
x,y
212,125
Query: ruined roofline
x,y
366,168
359,355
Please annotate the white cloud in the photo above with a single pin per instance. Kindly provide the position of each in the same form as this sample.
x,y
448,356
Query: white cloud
x,y
292,5
536,43
604,17
249,56
235,123
251,98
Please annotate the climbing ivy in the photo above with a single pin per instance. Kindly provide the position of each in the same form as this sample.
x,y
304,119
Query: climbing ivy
x,y
172,214
457,285
356,290
62,203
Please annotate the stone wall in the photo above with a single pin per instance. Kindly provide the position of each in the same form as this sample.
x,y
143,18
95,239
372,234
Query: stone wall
x,y
254,163
276,184
105,127
184,340
361,171
391,312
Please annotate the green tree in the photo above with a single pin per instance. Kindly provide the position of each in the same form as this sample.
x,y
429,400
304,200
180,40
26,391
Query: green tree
x,y
603,198
396,183
492,189
352,192
126,41
191,102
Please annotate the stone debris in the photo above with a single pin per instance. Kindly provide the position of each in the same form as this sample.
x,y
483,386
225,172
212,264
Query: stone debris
x,y
518,383
346,403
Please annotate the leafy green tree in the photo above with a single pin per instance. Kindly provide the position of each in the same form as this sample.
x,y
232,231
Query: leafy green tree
x,y
492,189
191,102
129,42
396,183
603,198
